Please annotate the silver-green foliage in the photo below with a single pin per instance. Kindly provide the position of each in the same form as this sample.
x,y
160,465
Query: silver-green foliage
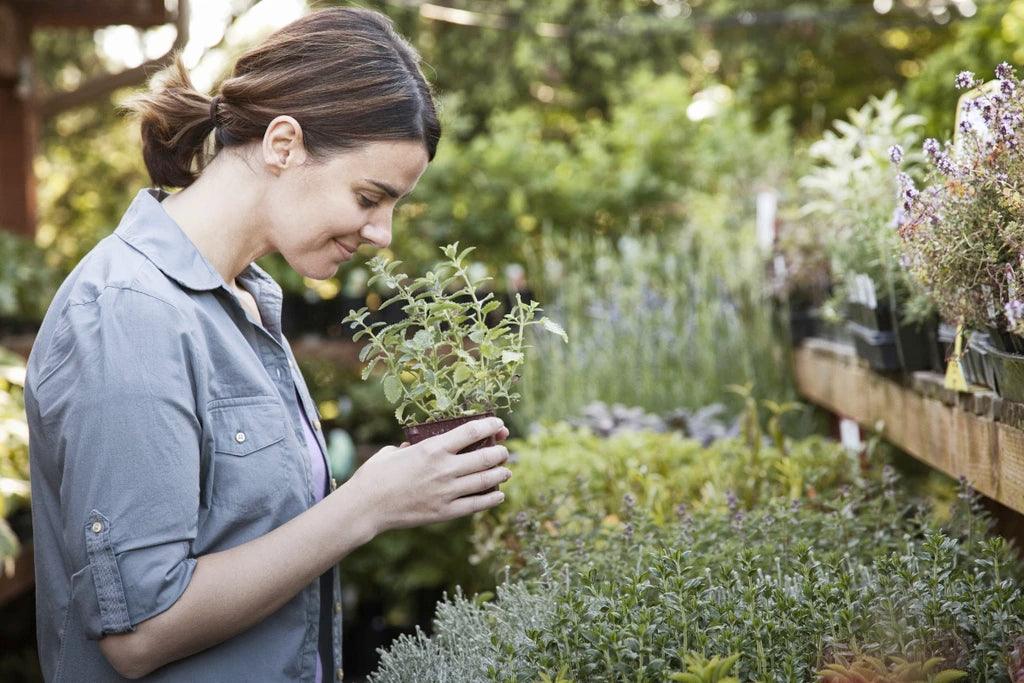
x,y
658,322
442,360
788,587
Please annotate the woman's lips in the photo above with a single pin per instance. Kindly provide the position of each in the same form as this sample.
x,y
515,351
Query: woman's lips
x,y
346,253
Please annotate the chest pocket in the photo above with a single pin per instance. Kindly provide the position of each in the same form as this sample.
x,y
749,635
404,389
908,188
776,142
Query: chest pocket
x,y
249,451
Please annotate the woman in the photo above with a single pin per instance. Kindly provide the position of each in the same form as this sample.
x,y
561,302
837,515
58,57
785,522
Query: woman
x,y
184,525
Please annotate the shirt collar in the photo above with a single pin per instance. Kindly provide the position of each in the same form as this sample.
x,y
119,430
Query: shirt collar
x,y
148,228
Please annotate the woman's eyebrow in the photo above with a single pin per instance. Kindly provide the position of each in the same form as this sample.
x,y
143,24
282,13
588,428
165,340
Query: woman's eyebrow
x,y
387,189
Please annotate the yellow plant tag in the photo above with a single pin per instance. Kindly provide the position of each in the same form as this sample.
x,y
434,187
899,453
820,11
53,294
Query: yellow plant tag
x,y
954,371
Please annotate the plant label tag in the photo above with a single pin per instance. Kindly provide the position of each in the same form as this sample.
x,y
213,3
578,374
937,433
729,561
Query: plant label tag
x,y
767,204
955,379
849,435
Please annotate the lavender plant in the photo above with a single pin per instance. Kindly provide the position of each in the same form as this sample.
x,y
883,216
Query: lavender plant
x,y
963,232
443,360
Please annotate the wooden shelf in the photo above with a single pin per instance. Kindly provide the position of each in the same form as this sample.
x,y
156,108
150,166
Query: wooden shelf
x,y
973,434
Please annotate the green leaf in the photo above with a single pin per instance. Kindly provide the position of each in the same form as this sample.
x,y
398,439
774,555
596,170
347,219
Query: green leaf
x,y
364,352
392,388
553,327
462,374
511,357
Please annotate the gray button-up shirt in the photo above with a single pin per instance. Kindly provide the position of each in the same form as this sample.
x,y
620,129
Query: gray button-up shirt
x,y
164,425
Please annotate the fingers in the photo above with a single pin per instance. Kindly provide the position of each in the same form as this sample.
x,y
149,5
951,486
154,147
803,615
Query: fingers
x,y
502,434
480,459
477,482
466,434
470,504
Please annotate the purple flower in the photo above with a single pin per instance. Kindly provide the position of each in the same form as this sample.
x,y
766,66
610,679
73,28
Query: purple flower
x,y
965,126
896,154
964,79
1007,87
1004,71
931,147
732,501
1014,310
946,166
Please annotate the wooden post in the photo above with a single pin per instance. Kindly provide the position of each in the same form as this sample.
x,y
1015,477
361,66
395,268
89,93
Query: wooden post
x,y
17,124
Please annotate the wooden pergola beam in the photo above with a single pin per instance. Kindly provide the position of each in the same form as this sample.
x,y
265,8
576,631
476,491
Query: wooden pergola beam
x,y
17,125
20,111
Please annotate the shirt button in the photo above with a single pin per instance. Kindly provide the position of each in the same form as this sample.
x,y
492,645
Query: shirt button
x,y
341,674
316,425
240,437
337,606
97,527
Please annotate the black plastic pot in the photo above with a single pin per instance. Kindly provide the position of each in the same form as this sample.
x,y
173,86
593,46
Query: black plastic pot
x,y
1007,342
947,342
918,346
879,318
804,322
878,348
976,363
1008,369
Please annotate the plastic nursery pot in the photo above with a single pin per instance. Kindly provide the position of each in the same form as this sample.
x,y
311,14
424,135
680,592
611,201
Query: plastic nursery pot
x,y
878,348
878,318
947,342
416,433
977,362
917,345
1007,342
1008,369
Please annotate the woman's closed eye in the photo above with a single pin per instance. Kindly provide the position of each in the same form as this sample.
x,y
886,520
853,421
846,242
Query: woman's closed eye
x,y
366,202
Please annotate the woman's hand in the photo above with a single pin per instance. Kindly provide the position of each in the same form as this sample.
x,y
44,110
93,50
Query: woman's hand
x,y
430,482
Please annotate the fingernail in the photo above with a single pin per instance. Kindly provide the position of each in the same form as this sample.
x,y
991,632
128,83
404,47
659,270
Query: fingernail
x,y
501,497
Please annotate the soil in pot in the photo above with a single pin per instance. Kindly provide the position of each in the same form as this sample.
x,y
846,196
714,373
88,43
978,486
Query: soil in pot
x,y
416,433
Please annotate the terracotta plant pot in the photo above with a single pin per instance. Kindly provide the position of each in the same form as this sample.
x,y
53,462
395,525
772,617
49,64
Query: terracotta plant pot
x,y
416,433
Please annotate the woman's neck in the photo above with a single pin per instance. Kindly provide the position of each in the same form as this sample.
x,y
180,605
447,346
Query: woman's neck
x,y
220,213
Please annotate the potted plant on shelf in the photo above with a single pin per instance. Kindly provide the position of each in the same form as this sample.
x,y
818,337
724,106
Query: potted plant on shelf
x,y
963,233
851,198
442,365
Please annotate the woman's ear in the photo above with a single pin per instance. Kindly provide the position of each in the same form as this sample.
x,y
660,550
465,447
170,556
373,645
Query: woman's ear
x,y
282,145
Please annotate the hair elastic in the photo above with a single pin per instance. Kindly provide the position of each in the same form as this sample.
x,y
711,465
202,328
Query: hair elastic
x,y
213,110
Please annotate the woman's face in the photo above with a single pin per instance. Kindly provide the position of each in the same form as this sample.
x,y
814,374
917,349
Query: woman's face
x,y
320,211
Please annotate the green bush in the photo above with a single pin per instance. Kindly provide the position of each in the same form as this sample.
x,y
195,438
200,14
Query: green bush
x,y
789,587
14,466
563,470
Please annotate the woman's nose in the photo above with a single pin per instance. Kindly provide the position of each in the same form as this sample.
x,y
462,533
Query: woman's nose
x,y
378,233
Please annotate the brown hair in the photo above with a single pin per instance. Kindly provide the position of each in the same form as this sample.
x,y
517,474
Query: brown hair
x,y
343,73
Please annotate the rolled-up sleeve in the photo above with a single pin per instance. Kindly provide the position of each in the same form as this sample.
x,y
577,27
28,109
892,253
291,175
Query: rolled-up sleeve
x,y
118,401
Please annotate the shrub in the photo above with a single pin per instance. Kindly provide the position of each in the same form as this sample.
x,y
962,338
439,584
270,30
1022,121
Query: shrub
x,y
788,587
563,470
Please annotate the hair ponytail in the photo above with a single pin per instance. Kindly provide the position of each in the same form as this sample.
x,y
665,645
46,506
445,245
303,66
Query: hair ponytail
x,y
175,120
343,73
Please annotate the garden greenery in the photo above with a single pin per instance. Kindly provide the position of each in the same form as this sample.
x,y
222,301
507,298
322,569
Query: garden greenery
x,y
657,322
563,470
963,233
443,360
14,466
851,196
790,587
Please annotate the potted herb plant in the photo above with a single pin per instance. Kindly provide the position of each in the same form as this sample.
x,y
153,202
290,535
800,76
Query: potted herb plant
x,y
963,233
851,198
442,365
